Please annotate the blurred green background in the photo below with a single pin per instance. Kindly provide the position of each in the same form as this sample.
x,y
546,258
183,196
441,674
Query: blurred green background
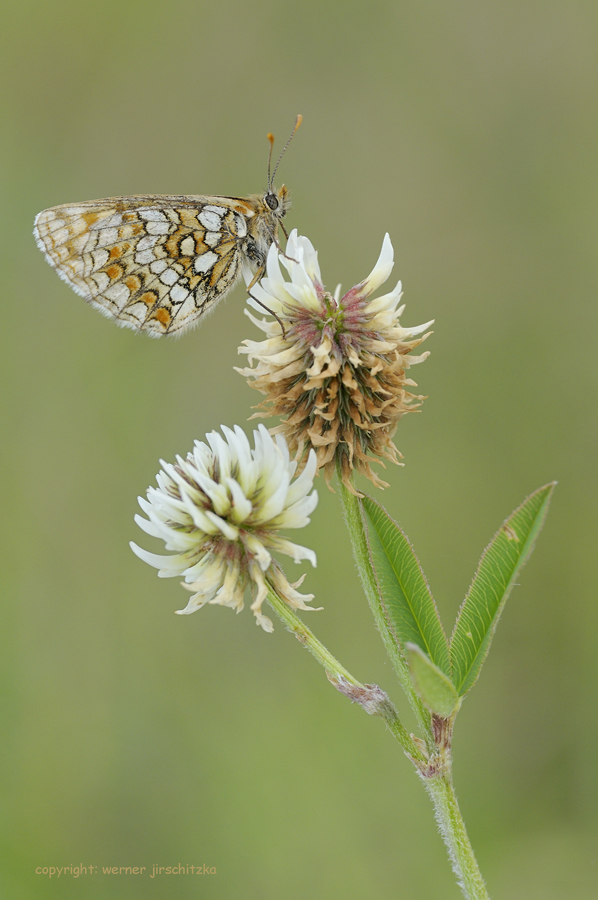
x,y
131,736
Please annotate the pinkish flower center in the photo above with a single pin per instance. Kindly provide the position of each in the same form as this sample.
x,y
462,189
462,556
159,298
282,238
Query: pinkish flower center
x,y
344,322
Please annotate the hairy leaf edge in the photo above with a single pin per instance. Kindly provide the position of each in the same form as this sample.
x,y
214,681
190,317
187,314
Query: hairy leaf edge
x,y
421,571
485,645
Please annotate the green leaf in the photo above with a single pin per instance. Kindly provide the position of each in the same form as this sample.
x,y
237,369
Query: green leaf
x,y
409,609
500,563
434,687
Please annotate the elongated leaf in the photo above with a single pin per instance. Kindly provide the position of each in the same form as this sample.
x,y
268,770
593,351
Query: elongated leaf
x,y
434,687
409,607
492,583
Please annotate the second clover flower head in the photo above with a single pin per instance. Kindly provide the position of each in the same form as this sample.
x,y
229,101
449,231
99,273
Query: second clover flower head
x,y
337,377
220,510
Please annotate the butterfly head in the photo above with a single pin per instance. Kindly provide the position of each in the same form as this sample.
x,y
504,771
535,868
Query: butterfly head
x,y
277,202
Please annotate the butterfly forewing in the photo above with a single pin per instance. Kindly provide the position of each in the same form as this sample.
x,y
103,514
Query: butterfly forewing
x,y
153,263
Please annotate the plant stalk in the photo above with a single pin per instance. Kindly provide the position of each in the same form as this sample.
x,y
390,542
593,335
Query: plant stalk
x,y
372,698
435,771
452,828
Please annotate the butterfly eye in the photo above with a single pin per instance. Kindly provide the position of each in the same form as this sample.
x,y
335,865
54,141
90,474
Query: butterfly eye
x,y
271,201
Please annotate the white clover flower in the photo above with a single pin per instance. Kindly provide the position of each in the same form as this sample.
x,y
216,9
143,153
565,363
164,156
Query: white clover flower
x,y
337,375
220,511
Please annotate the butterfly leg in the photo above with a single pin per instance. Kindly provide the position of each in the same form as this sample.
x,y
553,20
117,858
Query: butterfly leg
x,y
254,280
276,242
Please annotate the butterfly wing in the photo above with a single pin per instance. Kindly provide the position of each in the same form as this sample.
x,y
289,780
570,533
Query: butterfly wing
x,y
153,263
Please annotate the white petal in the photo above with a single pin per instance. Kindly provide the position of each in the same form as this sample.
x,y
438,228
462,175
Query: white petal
x,y
262,324
198,515
381,270
165,506
231,592
242,507
223,452
301,259
264,622
274,282
211,572
310,259
296,551
411,360
386,302
216,493
302,291
292,596
229,531
255,546
237,439
248,471
297,515
173,540
206,574
304,482
260,293
262,591
292,245
169,566
195,602
281,443
417,329
274,493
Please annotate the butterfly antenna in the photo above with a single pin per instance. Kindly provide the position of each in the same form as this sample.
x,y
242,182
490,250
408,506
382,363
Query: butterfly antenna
x,y
298,122
271,141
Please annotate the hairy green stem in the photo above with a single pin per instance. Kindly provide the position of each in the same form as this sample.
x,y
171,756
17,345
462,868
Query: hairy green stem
x,y
334,670
435,772
372,698
452,828
433,766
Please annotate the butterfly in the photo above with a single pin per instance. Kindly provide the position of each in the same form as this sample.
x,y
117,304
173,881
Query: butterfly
x,y
158,263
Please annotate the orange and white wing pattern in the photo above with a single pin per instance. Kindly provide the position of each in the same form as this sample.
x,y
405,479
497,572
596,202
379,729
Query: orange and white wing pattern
x,y
152,263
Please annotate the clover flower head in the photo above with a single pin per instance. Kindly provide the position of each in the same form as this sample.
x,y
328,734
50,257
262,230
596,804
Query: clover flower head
x,y
220,510
337,375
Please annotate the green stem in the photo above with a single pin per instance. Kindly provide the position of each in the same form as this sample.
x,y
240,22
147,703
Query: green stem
x,y
370,696
334,670
357,532
452,828
435,772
